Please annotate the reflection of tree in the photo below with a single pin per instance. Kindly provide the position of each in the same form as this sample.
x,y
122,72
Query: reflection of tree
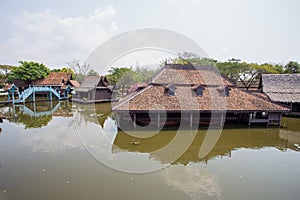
x,y
38,114
33,122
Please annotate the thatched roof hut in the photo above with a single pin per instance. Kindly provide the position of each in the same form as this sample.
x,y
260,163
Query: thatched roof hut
x,y
192,90
282,87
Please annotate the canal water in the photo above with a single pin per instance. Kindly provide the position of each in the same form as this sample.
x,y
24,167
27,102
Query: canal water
x,y
62,150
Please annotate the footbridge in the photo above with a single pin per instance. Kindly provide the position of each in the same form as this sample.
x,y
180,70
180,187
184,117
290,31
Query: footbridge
x,y
31,91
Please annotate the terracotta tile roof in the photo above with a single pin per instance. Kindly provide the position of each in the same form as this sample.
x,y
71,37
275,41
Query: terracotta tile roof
x,y
21,83
54,78
75,83
154,96
282,87
204,76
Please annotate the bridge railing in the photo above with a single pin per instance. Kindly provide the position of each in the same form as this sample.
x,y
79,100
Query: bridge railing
x,y
33,89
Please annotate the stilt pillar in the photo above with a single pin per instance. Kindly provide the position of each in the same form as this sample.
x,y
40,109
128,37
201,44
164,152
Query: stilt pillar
x,y
158,120
134,120
191,120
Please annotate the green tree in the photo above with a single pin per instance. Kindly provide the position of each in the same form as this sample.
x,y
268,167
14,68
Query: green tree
x,y
92,73
68,70
28,71
292,67
121,77
267,68
144,74
115,73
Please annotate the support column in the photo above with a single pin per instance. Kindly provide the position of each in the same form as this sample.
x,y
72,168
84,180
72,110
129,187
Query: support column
x,y
13,97
33,95
34,109
158,120
134,120
191,119
222,118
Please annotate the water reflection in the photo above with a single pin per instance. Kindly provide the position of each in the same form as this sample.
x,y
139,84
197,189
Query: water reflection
x,y
230,140
269,155
36,115
193,181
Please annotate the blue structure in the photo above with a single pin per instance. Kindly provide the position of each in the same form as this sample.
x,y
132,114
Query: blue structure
x,y
31,92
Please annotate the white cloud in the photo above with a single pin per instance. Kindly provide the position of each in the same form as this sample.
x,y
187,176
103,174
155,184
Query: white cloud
x,y
46,37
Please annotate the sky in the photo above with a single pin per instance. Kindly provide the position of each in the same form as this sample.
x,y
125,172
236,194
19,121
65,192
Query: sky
x,y
54,33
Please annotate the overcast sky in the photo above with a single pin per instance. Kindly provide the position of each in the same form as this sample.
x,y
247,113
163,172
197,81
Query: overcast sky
x,y
54,33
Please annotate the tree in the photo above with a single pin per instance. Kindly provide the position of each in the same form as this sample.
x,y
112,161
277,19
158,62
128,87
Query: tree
x,y
121,77
267,68
79,69
4,72
144,74
68,70
28,71
92,73
292,67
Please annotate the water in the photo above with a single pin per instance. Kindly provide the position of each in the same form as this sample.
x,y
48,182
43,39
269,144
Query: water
x,y
72,151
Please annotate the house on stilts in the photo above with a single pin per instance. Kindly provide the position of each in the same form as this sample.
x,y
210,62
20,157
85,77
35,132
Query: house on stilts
x,y
184,93
283,88
93,89
58,85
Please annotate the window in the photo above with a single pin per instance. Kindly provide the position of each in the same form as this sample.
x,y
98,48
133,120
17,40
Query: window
x,y
198,91
226,91
170,90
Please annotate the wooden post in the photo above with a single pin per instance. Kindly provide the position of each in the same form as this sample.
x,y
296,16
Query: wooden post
x,y
134,120
250,117
13,97
191,119
222,117
158,120
33,95
34,109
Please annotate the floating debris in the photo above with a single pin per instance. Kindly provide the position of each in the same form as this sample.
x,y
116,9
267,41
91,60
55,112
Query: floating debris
x,y
135,142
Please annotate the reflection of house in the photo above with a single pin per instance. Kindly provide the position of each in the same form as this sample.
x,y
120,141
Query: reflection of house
x,y
229,141
94,113
93,89
284,88
182,91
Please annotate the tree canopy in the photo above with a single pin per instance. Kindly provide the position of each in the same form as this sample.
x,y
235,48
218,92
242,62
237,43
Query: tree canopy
x,y
28,71
235,69
92,73
292,67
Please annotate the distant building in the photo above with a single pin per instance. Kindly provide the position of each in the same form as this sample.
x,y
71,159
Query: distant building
x,y
283,88
93,89
182,92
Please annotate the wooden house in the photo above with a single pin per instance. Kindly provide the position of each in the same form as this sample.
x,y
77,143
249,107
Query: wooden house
x,y
197,95
283,88
93,89
60,81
